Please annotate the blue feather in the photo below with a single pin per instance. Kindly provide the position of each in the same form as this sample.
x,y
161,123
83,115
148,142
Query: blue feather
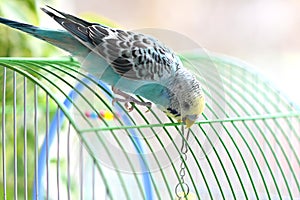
x,y
58,38
128,61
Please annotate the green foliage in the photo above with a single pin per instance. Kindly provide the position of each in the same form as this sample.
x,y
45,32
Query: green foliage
x,y
15,43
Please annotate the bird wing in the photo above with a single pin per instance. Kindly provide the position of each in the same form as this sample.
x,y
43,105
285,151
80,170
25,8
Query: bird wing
x,y
132,55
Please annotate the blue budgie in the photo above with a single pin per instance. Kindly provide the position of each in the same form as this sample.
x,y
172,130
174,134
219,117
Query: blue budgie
x,y
132,63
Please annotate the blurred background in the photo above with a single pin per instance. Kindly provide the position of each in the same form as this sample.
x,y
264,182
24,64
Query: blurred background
x,y
263,33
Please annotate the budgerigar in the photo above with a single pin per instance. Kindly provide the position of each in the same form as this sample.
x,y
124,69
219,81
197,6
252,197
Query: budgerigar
x,y
132,63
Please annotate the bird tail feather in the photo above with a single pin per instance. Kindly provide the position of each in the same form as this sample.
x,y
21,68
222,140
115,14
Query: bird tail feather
x,y
58,38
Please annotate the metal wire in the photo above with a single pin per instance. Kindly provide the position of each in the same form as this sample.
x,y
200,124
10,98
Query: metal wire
x,y
25,139
135,174
68,162
93,180
3,133
184,149
81,169
254,135
58,153
265,158
82,114
200,122
15,135
47,146
36,148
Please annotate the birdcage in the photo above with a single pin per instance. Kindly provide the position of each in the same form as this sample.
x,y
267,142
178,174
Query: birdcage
x,y
61,138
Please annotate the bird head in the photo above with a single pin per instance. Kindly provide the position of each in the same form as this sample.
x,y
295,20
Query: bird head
x,y
186,96
193,113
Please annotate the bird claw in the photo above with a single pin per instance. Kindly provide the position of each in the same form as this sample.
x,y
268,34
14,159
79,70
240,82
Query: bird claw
x,y
129,106
129,101
113,102
148,105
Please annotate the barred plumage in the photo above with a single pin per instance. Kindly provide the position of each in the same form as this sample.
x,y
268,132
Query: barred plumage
x,y
128,61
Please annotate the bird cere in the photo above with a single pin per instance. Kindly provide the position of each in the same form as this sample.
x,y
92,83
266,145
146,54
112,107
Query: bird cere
x,y
132,63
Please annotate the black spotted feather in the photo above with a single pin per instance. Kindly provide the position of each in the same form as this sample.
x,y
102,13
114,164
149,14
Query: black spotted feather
x,y
132,55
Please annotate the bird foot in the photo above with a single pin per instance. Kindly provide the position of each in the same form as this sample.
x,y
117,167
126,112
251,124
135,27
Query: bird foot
x,y
129,101
128,105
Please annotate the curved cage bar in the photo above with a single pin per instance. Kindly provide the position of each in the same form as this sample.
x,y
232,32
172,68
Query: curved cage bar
x,y
62,137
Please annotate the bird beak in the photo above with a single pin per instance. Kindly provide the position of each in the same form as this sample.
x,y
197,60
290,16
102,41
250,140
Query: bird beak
x,y
189,123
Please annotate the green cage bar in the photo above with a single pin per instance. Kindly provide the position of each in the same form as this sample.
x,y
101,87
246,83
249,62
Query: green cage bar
x,y
245,145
